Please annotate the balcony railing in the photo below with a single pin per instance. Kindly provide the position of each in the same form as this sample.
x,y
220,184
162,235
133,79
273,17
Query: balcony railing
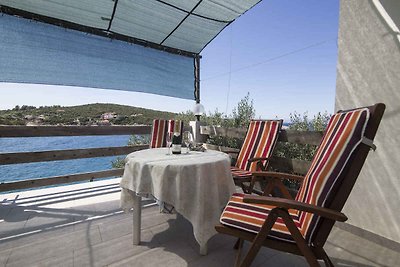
x,y
52,155
278,163
284,164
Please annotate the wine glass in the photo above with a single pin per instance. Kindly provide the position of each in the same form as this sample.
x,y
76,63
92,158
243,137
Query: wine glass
x,y
187,139
168,139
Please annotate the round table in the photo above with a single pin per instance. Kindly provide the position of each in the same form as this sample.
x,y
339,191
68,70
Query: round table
x,y
197,184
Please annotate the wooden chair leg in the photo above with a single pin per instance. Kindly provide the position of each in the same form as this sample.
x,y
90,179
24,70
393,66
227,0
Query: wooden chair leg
x,y
244,188
298,237
283,189
324,257
237,244
269,188
239,252
259,239
251,186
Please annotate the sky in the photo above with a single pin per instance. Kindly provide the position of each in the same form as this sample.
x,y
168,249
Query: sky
x,y
282,52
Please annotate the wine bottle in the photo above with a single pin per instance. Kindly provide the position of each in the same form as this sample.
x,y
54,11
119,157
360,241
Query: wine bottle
x,y
176,143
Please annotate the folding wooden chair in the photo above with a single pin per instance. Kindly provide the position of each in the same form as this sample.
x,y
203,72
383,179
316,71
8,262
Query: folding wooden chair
x,y
302,226
256,150
158,139
160,129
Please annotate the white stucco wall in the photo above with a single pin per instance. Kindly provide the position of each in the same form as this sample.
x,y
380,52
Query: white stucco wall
x,y
368,72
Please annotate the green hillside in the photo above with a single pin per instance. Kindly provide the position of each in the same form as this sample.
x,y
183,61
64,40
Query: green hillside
x,y
91,114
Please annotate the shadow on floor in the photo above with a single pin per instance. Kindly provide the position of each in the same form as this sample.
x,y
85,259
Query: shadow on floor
x,y
24,216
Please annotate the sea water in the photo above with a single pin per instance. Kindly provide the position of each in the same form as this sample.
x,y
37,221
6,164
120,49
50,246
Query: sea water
x,y
15,172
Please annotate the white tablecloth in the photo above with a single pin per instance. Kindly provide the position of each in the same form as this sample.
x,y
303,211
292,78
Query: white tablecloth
x,y
198,184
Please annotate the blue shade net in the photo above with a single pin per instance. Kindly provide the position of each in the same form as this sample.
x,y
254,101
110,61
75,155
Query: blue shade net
x,y
39,53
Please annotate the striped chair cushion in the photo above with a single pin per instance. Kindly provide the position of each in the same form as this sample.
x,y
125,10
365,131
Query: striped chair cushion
x,y
260,141
160,129
240,174
250,217
342,136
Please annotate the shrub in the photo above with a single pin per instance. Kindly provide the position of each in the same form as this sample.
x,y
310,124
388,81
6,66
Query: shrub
x,y
298,151
244,112
241,116
136,139
302,123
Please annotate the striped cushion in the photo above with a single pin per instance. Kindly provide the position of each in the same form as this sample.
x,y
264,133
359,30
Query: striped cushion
x,y
239,173
342,136
260,141
250,217
160,129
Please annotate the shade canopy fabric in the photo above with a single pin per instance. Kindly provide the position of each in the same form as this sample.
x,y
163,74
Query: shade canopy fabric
x,y
39,53
185,25
108,43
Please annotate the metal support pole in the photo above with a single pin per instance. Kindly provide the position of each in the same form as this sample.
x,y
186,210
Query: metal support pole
x,y
137,218
197,79
197,82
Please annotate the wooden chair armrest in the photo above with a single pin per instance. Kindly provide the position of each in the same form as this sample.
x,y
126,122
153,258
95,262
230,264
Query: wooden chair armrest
x,y
293,204
257,159
280,175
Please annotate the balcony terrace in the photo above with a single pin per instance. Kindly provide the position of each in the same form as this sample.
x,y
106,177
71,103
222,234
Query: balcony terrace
x,y
83,225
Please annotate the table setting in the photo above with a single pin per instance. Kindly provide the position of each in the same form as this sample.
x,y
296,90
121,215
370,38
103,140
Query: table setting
x,y
197,182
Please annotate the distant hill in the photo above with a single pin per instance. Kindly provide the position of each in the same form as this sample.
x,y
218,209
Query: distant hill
x,y
91,114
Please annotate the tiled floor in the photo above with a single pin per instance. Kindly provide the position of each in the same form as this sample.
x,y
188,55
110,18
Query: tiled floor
x,y
82,225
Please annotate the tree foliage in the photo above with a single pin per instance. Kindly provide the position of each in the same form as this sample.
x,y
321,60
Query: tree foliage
x,y
241,116
212,118
134,140
243,112
81,115
302,122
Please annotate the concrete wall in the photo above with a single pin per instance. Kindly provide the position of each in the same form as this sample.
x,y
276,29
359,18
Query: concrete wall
x,y
368,72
